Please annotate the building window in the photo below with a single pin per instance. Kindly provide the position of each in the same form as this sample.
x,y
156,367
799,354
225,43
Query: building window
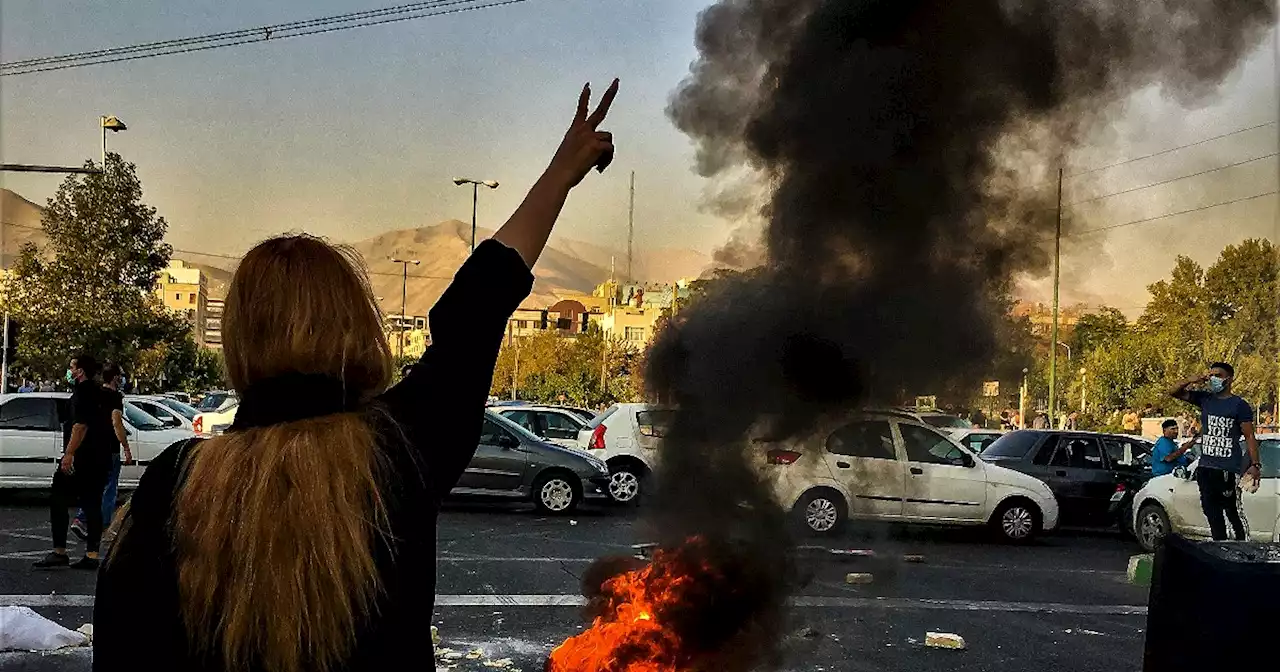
x,y
192,298
177,296
634,334
522,324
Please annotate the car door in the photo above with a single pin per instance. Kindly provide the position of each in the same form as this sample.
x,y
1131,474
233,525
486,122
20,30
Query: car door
x,y
1087,482
942,482
864,457
1261,508
1187,514
499,461
30,440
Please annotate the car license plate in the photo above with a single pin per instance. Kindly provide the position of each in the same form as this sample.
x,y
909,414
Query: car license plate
x,y
1117,495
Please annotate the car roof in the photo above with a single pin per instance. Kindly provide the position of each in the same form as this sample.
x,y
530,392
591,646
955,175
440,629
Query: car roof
x,y
35,395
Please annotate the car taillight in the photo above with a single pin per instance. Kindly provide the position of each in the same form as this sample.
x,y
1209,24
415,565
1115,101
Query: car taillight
x,y
783,456
597,438
1120,487
198,424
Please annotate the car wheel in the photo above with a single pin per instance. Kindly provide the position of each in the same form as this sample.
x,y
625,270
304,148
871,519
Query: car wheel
x,y
1017,520
624,485
556,493
1153,525
821,512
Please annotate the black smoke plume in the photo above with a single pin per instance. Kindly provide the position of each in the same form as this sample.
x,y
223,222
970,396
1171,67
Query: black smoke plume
x,y
889,137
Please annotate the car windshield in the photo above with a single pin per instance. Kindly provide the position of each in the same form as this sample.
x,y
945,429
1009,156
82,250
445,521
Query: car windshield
x,y
946,421
140,419
212,401
1014,445
185,410
585,416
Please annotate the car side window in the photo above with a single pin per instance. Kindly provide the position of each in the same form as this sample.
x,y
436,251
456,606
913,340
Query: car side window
x,y
1044,456
927,446
492,433
871,439
1115,450
561,422
1061,456
1086,454
1269,453
522,418
979,442
29,413
653,423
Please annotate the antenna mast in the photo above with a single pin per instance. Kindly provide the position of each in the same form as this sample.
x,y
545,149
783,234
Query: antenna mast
x,y
631,226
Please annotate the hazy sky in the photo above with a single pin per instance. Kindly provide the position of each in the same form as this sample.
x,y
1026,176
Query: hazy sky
x,y
358,132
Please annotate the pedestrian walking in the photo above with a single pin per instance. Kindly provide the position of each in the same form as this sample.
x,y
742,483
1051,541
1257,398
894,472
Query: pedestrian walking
x,y
303,538
82,472
1224,420
113,401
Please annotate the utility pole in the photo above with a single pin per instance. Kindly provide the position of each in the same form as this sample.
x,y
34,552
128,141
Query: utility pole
x,y
4,375
631,226
1053,338
404,297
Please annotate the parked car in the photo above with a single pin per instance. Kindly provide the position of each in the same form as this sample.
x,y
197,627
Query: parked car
x,y
512,462
31,431
626,437
891,466
1171,503
181,408
214,423
1094,476
217,402
178,396
934,418
158,409
976,440
555,424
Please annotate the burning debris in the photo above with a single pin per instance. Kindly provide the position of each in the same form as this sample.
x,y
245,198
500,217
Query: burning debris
x,y
892,141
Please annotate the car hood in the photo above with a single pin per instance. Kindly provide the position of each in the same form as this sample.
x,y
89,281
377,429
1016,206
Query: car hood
x,y
572,453
999,475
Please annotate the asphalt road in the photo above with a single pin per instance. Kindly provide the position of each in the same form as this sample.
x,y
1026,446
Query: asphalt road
x,y
509,583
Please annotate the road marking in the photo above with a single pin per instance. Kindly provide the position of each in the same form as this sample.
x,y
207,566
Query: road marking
x,y
896,603
24,555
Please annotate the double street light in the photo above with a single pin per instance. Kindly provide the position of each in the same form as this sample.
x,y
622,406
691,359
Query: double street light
x,y
475,197
404,295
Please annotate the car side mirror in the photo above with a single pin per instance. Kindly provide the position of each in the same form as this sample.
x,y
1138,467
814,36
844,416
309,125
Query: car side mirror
x,y
967,460
508,441
1184,473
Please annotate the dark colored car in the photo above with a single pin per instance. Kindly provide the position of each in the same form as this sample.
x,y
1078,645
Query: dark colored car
x,y
512,463
1093,476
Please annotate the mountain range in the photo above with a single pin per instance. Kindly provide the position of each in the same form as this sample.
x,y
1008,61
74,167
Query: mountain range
x,y
566,267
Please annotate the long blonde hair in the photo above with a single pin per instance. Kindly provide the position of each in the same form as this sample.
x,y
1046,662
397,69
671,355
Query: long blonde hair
x,y
275,527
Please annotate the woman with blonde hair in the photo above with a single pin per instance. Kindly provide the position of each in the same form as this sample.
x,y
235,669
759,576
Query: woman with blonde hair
x,y
304,539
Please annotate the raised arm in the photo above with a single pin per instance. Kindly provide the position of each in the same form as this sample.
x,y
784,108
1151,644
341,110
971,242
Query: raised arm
x,y
1182,390
583,147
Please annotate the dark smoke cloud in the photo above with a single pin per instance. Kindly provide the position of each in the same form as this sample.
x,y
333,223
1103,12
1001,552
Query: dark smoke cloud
x,y
891,137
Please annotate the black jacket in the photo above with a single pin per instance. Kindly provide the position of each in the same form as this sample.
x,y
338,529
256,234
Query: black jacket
x,y
438,407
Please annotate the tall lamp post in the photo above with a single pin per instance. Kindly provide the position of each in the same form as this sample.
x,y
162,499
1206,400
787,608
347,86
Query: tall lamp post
x,y
113,124
475,198
404,296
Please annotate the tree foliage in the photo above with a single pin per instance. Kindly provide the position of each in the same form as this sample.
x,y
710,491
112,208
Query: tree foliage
x,y
91,289
544,367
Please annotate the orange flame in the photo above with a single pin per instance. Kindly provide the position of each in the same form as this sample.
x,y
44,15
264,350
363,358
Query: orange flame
x,y
631,633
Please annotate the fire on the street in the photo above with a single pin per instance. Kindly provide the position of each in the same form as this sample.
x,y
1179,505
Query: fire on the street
x,y
631,632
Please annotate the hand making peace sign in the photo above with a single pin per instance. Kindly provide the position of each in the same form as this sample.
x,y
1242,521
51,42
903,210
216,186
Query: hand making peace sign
x,y
584,146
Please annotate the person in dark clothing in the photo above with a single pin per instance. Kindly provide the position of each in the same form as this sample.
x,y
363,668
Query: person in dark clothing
x,y
83,470
304,538
1225,420
112,379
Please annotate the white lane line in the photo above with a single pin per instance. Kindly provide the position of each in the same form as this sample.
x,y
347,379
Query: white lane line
x,y
896,603
24,555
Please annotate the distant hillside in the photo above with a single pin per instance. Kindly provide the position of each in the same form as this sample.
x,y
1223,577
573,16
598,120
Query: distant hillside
x,y
21,225
566,267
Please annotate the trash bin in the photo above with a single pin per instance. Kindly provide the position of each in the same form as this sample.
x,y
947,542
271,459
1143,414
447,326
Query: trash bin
x,y
1212,605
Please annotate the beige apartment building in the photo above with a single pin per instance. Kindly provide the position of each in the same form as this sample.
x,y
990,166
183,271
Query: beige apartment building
x,y
185,290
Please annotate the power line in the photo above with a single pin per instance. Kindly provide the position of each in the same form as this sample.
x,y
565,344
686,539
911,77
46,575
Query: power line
x,y
1175,214
1170,150
1174,179
245,36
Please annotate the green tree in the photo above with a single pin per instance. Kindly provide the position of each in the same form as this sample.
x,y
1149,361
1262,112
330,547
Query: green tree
x,y
91,290
545,366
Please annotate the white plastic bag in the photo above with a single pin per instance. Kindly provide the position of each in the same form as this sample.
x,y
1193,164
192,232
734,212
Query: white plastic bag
x,y
22,629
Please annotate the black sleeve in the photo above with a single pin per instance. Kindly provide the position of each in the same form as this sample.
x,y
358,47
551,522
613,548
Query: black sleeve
x,y
115,401
1196,398
137,592
440,403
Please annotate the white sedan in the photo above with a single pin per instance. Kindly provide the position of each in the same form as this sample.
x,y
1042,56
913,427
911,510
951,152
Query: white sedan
x,y
1171,503
891,466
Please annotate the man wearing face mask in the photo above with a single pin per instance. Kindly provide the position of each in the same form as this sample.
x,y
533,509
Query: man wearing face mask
x,y
1224,419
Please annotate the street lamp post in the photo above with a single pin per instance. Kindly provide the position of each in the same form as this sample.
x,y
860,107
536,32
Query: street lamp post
x,y
404,296
113,124
1084,391
475,198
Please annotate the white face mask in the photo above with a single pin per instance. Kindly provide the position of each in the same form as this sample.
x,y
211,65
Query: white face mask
x,y
1216,384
